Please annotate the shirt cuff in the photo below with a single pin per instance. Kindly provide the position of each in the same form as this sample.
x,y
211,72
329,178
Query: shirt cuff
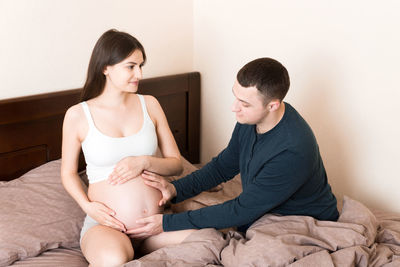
x,y
175,222
177,186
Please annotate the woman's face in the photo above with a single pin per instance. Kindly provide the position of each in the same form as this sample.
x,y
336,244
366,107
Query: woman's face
x,y
125,75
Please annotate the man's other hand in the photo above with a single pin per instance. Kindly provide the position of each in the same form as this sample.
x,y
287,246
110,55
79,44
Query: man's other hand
x,y
167,189
149,226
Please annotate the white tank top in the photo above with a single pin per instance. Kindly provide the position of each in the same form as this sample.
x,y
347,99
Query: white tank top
x,y
103,152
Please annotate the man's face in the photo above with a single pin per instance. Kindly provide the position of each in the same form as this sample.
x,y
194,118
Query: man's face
x,y
248,105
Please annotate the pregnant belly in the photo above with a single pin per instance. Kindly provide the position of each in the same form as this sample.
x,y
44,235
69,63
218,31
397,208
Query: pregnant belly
x,y
130,201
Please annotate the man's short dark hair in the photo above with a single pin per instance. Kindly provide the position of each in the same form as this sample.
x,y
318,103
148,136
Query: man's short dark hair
x,y
266,74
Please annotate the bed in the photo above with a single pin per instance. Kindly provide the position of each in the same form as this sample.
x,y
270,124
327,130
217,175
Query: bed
x,y
40,223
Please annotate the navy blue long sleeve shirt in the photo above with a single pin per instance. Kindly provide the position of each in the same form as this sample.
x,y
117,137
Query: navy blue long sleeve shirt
x,y
281,170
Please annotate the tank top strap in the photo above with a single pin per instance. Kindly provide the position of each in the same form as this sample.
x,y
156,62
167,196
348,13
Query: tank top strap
x,y
87,114
146,115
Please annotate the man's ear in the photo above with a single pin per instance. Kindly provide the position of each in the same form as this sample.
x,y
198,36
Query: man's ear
x,y
274,105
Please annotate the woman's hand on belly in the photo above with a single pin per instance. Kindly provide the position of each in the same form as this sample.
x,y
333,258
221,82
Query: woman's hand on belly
x,y
104,215
130,201
126,169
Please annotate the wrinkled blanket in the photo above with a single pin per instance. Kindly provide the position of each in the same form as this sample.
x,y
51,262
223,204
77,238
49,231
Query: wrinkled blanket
x,y
358,238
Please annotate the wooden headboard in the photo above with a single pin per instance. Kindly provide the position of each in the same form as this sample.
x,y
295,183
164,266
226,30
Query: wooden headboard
x,y
31,127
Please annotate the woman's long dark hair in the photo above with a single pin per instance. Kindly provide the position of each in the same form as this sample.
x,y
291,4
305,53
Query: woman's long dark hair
x,y
111,48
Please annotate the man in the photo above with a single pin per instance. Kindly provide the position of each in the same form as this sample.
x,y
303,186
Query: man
x,y
275,152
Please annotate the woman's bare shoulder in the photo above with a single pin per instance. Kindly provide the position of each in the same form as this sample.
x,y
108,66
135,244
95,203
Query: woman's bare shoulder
x,y
152,104
75,123
150,100
74,113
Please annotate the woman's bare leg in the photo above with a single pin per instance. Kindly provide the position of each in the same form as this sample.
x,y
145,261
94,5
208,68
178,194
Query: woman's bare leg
x,y
164,239
104,246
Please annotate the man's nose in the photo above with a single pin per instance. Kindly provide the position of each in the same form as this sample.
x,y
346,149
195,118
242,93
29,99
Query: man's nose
x,y
235,106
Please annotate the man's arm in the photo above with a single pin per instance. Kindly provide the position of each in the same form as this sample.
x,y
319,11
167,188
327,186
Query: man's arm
x,y
221,169
275,184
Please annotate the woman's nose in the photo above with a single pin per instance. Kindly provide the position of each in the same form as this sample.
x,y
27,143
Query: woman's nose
x,y
138,73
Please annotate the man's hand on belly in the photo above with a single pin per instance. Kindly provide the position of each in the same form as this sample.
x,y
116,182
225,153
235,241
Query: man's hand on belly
x,y
150,226
167,189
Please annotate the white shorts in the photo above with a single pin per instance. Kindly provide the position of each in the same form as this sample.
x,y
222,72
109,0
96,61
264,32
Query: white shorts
x,y
88,223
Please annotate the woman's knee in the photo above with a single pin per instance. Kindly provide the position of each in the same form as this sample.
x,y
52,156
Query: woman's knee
x,y
103,246
111,257
114,257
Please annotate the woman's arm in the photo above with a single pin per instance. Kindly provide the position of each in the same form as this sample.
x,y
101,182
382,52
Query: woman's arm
x,y
71,146
170,162
73,128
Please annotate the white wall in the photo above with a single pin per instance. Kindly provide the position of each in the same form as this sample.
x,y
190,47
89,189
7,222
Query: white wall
x,y
46,44
343,58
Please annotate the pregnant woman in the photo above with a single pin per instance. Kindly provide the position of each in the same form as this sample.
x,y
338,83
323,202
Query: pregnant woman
x,y
119,132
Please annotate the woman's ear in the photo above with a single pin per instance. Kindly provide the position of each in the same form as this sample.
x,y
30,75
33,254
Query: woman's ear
x,y
105,70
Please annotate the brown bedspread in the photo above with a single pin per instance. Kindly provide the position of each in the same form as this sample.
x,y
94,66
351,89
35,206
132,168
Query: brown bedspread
x,y
71,257
359,238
